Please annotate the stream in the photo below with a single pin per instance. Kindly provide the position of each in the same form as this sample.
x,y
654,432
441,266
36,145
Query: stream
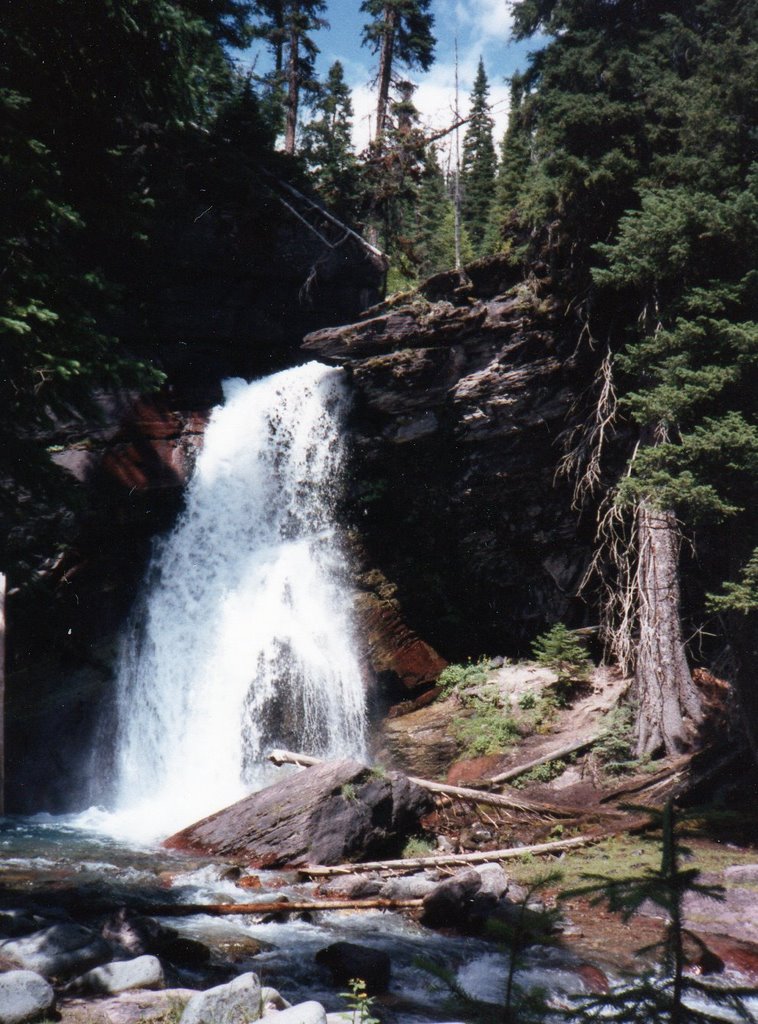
x,y
57,863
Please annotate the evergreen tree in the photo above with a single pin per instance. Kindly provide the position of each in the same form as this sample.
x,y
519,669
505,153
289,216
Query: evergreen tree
x,y
391,177
435,232
83,138
641,196
479,165
512,170
287,26
327,145
400,31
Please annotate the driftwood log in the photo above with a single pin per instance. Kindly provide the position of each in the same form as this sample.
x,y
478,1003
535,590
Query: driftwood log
x,y
280,757
554,755
442,859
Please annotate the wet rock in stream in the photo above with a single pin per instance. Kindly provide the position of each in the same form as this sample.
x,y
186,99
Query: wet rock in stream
x,y
24,996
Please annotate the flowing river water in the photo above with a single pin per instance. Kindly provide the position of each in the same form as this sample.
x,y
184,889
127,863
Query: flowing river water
x,y
242,640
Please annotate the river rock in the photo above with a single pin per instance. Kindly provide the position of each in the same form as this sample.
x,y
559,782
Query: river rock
x,y
450,902
337,811
346,960
120,976
354,887
309,1012
407,887
24,996
239,1000
139,1006
58,951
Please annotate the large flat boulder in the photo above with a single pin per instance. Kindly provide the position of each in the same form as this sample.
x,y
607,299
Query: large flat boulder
x,y
334,812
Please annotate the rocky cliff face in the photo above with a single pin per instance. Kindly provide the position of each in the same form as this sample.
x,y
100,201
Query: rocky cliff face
x,y
463,399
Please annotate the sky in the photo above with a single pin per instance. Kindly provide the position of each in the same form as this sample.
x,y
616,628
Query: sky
x,y
481,27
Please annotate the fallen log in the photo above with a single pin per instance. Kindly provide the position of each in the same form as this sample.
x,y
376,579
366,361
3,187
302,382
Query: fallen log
x,y
443,859
555,755
280,757
277,907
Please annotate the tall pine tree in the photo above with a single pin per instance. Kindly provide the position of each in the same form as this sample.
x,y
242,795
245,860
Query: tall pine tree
x,y
400,31
328,148
287,27
479,164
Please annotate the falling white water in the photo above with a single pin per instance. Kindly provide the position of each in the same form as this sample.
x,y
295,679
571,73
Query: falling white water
x,y
243,639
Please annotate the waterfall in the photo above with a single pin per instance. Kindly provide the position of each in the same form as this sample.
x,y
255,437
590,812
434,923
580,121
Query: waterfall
x,y
242,640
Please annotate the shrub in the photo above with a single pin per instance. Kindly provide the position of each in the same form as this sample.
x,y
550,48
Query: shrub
x,y
458,677
488,730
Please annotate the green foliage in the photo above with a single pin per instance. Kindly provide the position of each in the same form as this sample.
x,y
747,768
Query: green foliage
x,y
410,24
561,650
741,595
636,182
615,746
540,775
103,160
288,30
327,145
479,165
419,846
348,791
490,729
360,1004
459,677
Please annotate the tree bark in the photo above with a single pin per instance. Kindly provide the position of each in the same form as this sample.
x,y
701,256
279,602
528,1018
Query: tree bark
x,y
669,705
293,93
386,55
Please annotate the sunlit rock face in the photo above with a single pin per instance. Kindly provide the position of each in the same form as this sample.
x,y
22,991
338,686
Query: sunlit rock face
x,y
464,400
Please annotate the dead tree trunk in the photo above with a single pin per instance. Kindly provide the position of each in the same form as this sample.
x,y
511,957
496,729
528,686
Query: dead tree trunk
x,y
669,706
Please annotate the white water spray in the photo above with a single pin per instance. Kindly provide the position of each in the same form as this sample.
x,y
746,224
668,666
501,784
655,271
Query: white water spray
x,y
243,640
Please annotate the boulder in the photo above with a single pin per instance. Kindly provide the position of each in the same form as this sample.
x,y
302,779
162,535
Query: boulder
x,y
346,960
239,1000
450,902
58,951
24,996
310,1012
138,1006
121,976
337,811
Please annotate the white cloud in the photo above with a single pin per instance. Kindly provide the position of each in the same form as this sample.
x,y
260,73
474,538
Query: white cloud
x,y
434,99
